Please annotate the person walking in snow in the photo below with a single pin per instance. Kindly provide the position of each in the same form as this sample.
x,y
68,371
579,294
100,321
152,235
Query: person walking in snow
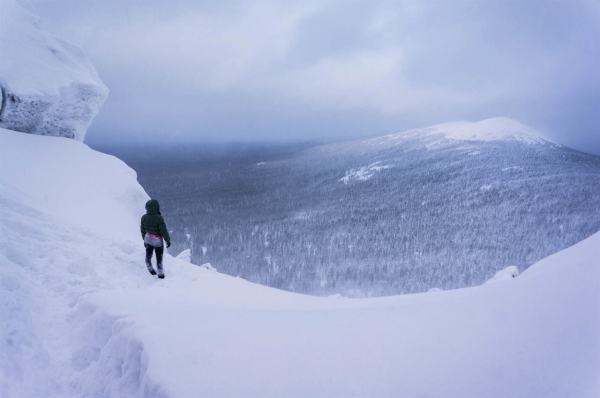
x,y
154,230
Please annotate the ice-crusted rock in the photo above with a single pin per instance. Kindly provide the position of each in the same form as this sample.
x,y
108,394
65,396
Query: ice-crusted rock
x,y
48,86
507,273
208,267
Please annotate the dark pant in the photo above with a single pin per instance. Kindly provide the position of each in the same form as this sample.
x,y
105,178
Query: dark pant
x,y
159,254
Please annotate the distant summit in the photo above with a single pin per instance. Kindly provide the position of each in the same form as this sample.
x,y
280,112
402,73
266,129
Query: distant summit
x,y
495,129
498,129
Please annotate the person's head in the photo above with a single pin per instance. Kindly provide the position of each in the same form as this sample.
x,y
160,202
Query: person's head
x,y
152,207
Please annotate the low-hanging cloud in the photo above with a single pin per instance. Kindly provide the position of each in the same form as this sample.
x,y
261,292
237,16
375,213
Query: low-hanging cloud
x,y
305,70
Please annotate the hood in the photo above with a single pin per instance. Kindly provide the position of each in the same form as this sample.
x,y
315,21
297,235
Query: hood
x,y
152,207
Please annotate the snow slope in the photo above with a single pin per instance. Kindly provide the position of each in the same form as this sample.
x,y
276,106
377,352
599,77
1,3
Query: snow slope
x,y
82,317
68,179
48,86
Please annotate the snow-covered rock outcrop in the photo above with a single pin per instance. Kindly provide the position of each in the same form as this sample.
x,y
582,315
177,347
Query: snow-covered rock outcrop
x,y
48,86
507,273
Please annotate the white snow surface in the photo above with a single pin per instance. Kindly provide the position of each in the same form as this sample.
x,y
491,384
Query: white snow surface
x,y
494,129
81,316
48,85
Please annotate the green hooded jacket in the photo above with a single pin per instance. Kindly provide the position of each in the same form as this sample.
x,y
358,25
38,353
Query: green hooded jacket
x,y
153,222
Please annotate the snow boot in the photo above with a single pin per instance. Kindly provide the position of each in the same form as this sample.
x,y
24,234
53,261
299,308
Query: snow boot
x,y
161,274
150,268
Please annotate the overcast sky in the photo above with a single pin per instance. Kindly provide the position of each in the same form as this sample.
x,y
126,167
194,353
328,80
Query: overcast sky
x,y
211,71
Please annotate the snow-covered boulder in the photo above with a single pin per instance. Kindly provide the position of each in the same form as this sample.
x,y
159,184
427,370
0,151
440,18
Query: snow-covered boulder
x,y
48,86
185,255
208,267
507,273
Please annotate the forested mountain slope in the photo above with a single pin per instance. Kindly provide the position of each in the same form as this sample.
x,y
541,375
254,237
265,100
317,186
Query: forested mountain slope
x,y
445,206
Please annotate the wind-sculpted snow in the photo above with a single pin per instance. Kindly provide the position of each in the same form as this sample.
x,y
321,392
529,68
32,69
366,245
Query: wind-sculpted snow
x,y
47,84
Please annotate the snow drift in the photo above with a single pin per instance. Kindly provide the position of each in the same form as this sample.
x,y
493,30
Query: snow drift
x,y
82,317
71,181
48,86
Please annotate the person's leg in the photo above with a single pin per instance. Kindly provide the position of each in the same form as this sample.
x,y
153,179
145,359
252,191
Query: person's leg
x,y
149,250
159,258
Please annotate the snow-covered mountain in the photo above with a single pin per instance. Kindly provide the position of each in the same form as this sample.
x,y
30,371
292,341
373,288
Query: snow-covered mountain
x,y
440,207
47,84
499,130
82,317
495,129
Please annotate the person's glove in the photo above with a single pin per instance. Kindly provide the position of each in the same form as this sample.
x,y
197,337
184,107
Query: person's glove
x,y
168,245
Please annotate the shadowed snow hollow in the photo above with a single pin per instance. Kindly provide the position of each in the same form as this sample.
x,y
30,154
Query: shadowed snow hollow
x,y
48,86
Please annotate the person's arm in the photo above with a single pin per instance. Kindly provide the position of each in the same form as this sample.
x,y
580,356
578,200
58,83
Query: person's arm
x,y
163,231
142,229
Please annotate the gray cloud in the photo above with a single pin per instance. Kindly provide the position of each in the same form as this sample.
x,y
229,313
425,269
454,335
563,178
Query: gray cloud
x,y
181,70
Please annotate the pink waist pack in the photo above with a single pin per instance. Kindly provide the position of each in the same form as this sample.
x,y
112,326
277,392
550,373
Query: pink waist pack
x,y
153,240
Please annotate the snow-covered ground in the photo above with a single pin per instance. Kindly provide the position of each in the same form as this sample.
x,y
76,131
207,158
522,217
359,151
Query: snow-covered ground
x,y
82,317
